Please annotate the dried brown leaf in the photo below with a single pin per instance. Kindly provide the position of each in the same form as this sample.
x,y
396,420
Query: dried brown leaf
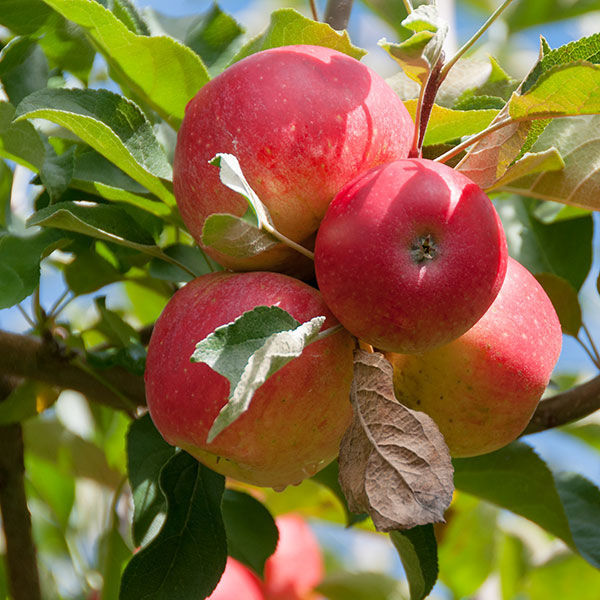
x,y
394,463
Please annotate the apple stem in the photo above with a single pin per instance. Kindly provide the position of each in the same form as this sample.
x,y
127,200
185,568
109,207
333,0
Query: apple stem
x,y
473,39
474,138
285,240
327,332
408,6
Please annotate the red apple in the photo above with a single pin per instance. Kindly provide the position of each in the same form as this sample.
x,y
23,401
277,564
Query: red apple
x,y
410,255
297,417
296,566
302,121
482,388
237,583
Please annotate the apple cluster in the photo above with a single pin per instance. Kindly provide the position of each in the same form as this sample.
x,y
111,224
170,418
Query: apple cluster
x,y
409,256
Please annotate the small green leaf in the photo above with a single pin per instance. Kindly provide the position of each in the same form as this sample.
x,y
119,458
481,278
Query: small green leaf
x,y
20,141
57,171
251,531
513,565
329,477
249,350
529,164
547,248
187,557
161,70
289,27
112,125
113,326
147,454
564,299
89,272
190,256
101,221
446,124
528,14
551,212
565,90
418,551
113,553
129,15
27,400
234,236
20,264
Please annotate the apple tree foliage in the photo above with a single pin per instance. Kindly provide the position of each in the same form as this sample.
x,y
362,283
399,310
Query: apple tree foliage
x,y
93,92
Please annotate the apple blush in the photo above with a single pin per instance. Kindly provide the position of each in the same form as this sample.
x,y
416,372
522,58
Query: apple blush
x,y
410,255
302,121
296,419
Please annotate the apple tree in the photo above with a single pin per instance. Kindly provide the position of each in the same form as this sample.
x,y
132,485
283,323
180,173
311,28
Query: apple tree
x,y
172,380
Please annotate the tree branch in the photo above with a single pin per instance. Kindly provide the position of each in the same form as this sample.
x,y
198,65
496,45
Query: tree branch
x,y
337,13
576,403
31,358
21,558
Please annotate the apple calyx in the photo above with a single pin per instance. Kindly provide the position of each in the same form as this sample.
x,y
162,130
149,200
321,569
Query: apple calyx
x,y
424,248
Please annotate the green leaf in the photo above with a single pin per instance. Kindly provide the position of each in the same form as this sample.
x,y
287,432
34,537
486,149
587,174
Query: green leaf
x,y
113,553
6,179
513,565
190,256
186,559
20,264
234,236
516,478
147,454
535,12
57,171
113,326
467,554
288,27
547,248
587,48
563,91
248,351
27,400
24,16
251,531
446,124
551,212
20,141
577,139
23,68
159,69
129,15
89,272
564,299
359,586
112,125
588,433
329,477
419,53
418,551
101,221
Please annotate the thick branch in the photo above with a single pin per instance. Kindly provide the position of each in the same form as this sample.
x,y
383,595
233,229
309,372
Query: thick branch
x,y
20,551
31,358
337,13
568,406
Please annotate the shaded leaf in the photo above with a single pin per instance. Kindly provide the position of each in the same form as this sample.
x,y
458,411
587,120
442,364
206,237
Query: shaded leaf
x,y
249,350
564,299
535,12
446,124
588,433
529,164
20,141
394,463
112,125
251,531
551,212
160,69
113,326
113,553
329,477
548,248
27,400
417,548
359,586
57,171
89,272
147,453
513,565
187,557
191,256
288,27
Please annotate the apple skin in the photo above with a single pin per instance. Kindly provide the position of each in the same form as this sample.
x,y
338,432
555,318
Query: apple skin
x,y
296,418
374,263
482,388
296,566
237,583
302,121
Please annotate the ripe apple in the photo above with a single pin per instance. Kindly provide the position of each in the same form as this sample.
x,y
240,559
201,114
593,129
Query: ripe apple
x,y
237,583
302,121
410,255
297,417
482,388
296,566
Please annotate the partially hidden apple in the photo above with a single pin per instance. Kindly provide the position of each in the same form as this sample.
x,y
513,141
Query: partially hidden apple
x,y
410,255
237,583
296,567
302,121
482,388
296,419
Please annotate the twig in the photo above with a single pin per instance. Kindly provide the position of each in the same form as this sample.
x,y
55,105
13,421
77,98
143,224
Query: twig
x,y
408,6
591,339
313,10
26,316
588,352
23,577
